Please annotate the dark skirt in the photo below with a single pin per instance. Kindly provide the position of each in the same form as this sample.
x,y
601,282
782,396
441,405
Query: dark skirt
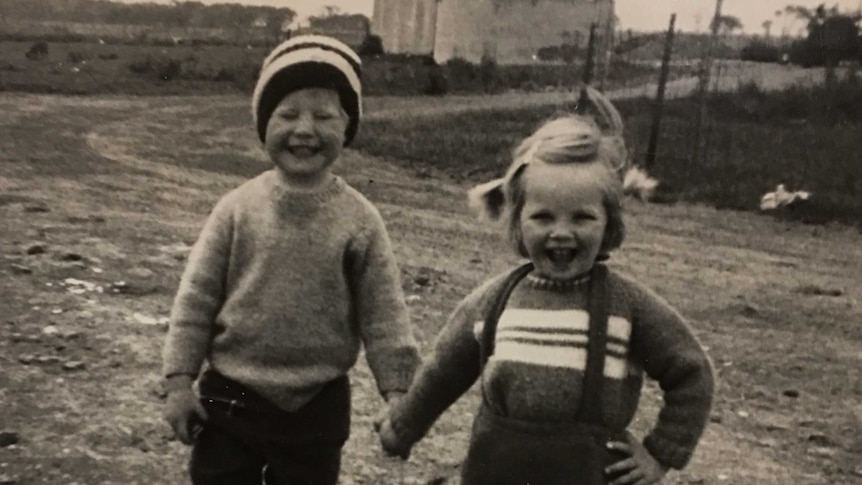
x,y
506,451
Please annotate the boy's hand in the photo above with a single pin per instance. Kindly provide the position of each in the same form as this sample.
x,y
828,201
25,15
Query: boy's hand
x,y
390,442
185,413
640,468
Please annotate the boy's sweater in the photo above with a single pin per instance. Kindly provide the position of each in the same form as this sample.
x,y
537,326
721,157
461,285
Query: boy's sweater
x,y
281,288
537,368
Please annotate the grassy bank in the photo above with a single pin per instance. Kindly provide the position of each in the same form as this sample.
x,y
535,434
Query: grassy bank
x,y
804,138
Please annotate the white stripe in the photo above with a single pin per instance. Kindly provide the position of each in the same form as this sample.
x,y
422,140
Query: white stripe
x,y
315,39
565,357
618,327
306,55
550,338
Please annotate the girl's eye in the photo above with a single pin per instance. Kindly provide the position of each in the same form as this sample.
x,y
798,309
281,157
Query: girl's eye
x,y
583,216
324,116
289,115
541,216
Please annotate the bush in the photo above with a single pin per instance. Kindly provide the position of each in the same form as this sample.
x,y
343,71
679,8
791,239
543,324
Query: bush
x,y
164,69
759,51
75,57
372,46
37,51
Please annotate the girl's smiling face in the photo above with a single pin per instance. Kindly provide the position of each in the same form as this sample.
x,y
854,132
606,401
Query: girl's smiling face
x,y
563,218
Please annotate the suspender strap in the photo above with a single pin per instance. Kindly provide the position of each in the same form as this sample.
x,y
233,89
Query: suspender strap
x,y
590,409
489,330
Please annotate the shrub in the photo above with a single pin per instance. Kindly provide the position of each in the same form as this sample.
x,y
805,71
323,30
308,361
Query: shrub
x,y
164,69
372,46
759,51
75,57
37,51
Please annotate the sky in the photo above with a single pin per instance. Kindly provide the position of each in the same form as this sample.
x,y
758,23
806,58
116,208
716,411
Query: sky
x,y
692,15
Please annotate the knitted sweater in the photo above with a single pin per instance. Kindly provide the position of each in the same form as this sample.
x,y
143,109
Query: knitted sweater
x,y
281,289
536,371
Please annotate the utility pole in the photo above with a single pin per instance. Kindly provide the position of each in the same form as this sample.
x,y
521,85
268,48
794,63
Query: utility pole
x,y
703,83
589,65
659,99
610,27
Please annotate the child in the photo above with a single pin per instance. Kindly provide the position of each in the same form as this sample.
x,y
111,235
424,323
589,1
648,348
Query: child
x,y
292,271
560,344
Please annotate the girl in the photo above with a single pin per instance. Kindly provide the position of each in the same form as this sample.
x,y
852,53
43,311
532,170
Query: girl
x,y
561,344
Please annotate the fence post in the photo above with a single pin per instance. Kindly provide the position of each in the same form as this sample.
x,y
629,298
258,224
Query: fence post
x,y
703,83
587,76
659,98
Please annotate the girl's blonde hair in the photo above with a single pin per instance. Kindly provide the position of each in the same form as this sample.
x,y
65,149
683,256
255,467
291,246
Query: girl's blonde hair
x,y
563,140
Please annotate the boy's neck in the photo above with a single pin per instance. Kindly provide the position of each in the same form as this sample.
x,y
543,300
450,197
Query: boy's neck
x,y
309,184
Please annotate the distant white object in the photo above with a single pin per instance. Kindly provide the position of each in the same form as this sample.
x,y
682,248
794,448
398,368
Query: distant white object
x,y
781,197
638,183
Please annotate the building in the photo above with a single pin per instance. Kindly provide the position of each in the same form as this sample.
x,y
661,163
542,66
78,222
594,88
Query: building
x,y
350,29
509,31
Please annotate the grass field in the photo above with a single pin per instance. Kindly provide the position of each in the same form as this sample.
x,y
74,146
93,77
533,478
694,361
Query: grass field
x,y
111,190
755,140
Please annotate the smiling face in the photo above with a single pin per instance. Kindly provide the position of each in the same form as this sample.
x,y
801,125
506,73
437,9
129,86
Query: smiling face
x,y
305,135
563,218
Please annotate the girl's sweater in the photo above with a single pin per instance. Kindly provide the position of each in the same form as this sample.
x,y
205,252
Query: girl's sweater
x,y
536,370
282,287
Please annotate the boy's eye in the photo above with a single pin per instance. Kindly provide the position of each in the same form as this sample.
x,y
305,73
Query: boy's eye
x,y
289,115
322,115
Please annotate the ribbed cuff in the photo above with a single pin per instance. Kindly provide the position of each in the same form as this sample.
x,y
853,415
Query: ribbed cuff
x,y
667,453
394,370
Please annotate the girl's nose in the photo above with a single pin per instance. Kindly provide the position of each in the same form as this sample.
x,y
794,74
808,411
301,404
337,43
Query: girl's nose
x,y
561,232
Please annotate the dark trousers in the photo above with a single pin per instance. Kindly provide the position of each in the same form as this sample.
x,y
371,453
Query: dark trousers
x,y
505,451
248,440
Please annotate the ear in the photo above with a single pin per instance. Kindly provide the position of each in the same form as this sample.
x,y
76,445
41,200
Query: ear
x,y
488,199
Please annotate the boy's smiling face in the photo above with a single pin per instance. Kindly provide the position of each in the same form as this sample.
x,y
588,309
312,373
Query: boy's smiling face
x,y
563,219
305,135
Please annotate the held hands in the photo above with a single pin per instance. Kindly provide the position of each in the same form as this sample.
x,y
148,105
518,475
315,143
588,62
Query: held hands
x,y
185,413
389,440
640,468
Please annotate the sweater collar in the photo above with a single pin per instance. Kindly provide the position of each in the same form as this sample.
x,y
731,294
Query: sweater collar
x,y
549,284
305,199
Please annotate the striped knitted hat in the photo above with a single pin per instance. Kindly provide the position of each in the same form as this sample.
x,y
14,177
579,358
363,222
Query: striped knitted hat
x,y
309,61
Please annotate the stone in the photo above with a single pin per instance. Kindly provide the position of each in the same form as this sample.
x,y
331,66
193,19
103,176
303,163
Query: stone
x,y
74,365
34,249
791,393
8,438
20,269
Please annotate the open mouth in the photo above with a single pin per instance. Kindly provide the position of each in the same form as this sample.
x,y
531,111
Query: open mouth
x,y
303,151
561,256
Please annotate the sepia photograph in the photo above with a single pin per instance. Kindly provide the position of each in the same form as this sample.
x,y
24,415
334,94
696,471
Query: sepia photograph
x,y
431,242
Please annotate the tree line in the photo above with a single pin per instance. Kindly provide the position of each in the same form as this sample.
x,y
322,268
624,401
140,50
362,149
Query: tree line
x,y
178,14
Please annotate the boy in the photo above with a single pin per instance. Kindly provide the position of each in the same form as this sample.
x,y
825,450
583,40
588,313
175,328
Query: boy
x,y
292,271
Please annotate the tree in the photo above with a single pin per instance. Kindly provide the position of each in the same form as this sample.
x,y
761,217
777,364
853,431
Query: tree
x,y
727,23
767,27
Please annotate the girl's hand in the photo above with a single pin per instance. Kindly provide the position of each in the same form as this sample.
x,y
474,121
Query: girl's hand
x,y
390,442
640,468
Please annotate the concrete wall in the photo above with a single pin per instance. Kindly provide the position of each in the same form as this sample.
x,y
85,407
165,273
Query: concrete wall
x,y
512,31
405,26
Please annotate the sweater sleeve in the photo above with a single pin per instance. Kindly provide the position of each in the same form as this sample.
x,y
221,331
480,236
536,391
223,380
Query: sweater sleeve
x,y
200,296
446,374
381,311
671,354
